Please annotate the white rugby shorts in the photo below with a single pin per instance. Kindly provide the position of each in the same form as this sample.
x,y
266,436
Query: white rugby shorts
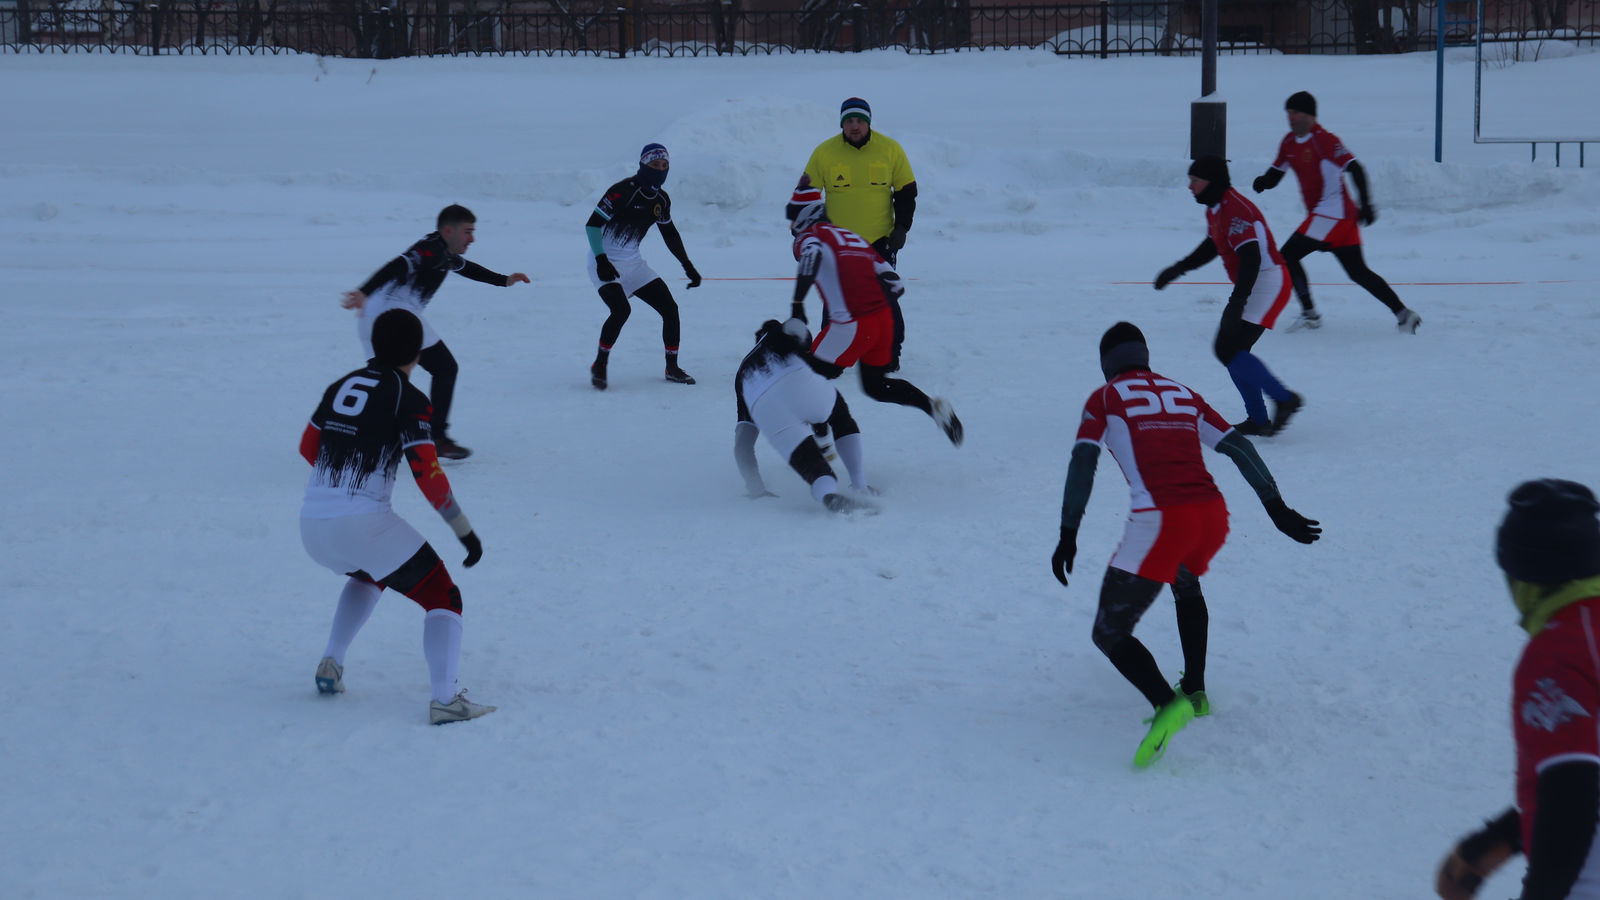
x,y
786,411
632,273
1270,295
382,303
374,543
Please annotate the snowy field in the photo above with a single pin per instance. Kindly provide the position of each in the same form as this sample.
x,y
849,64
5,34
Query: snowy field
x,y
703,696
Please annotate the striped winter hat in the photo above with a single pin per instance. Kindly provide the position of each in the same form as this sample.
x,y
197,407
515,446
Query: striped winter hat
x,y
805,207
855,106
651,153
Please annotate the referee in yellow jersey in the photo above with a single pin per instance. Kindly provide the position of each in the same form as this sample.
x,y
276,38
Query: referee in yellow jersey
x,y
869,187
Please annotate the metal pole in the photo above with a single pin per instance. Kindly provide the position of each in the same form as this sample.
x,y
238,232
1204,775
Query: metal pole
x,y
1438,83
1208,119
1477,75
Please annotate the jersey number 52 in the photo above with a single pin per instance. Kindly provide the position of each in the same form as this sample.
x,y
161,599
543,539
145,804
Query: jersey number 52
x,y
1155,395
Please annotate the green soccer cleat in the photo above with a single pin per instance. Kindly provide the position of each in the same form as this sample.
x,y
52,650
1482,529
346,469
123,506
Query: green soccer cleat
x,y
1168,721
1202,706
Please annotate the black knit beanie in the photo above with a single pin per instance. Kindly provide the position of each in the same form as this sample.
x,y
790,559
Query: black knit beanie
x,y
1301,101
1213,169
1550,534
396,338
1122,348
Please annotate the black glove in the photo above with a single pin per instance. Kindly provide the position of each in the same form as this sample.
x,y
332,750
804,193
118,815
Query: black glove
x,y
1168,275
1368,214
604,268
897,238
1066,549
694,277
1296,526
1267,180
1476,858
474,549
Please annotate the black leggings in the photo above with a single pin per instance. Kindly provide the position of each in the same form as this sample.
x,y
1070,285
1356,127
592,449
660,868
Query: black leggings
x,y
876,383
1234,334
1355,265
1124,598
439,363
655,295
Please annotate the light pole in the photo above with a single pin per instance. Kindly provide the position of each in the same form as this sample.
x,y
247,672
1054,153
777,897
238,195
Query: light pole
x,y
1208,119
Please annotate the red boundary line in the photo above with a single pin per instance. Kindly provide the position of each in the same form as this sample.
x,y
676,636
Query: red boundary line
x,y
1230,284
1348,284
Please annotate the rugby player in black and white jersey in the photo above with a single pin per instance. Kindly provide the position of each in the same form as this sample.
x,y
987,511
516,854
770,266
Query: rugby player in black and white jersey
x,y
408,282
367,421
616,227
783,390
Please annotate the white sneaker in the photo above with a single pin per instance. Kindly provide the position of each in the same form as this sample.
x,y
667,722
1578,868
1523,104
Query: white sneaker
x,y
458,709
846,504
946,418
1408,320
330,677
1310,320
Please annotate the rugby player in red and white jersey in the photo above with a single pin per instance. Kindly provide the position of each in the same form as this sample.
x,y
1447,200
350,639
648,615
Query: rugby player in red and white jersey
x,y
1549,547
1236,231
857,323
367,422
1154,428
1319,160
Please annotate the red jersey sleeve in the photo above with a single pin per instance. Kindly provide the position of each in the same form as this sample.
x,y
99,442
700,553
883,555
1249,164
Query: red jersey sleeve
x,y
310,442
1284,147
1092,426
1330,148
424,460
416,440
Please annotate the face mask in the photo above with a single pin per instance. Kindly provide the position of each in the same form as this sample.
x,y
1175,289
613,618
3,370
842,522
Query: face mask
x,y
649,177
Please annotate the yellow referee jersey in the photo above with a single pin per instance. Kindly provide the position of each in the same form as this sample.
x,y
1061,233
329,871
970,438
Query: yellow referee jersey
x,y
859,182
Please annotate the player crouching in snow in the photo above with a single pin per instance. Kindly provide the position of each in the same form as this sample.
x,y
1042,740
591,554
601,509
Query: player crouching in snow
x,y
783,390
1154,427
367,421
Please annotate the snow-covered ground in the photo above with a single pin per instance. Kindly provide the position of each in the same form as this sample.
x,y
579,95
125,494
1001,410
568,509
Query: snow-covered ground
x,y
704,696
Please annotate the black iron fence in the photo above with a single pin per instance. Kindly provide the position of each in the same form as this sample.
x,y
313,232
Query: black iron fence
x,y
354,29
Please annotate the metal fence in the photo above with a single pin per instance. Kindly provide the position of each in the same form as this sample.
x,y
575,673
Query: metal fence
x,y
345,28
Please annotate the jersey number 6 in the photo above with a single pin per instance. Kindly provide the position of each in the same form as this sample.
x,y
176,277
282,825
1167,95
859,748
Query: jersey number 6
x,y
352,396
1167,395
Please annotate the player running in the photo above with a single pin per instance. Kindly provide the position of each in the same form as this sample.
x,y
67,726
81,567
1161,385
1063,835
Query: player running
x,y
366,422
1319,160
408,282
857,325
1236,231
1155,427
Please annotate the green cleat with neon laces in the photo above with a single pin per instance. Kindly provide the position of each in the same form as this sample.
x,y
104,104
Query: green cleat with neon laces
x,y
1168,721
